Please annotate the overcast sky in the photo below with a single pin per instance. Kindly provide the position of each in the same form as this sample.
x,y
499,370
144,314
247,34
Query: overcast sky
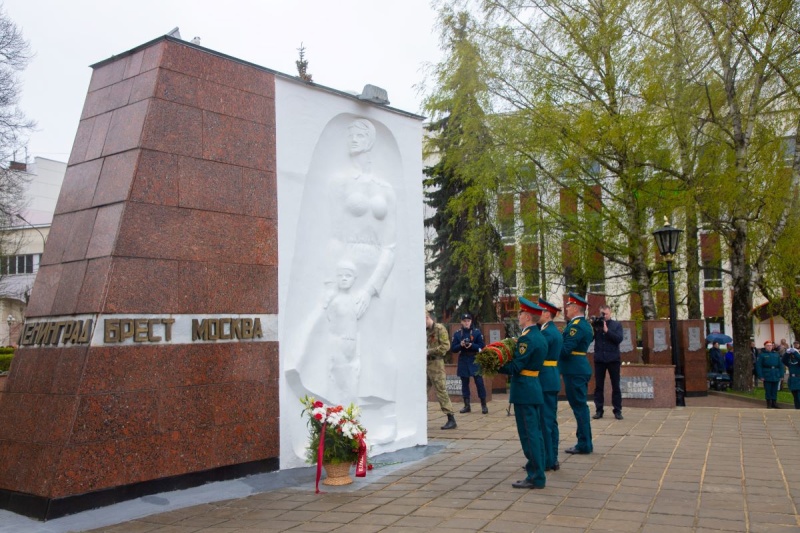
x,y
349,43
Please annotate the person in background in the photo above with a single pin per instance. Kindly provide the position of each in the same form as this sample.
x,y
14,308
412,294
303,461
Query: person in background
x,y
769,368
729,360
792,361
782,347
467,342
550,380
607,338
526,393
716,359
753,356
438,344
576,371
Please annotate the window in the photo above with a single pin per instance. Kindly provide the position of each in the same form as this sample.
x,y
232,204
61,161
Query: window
x,y
19,264
711,256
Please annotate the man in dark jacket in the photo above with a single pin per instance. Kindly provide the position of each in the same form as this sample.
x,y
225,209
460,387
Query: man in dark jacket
x,y
607,338
467,342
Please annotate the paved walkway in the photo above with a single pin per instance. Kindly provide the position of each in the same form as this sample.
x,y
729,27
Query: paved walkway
x,y
663,470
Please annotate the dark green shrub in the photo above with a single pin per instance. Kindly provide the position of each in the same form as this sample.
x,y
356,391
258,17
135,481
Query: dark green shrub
x,y
5,360
7,349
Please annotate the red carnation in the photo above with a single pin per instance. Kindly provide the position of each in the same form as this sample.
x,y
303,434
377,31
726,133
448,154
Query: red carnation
x,y
318,404
318,416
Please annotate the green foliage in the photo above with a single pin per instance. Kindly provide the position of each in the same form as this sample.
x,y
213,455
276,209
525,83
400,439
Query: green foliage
x,y
462,184
343,432
5,361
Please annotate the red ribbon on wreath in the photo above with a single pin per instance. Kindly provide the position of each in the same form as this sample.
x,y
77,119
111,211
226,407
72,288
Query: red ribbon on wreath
x,y
320,453
361,463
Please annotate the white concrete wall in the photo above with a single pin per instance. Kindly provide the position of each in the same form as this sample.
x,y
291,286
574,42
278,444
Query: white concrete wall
x,y
317,175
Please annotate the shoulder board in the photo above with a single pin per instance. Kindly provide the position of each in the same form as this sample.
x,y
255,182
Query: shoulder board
x,y
575,320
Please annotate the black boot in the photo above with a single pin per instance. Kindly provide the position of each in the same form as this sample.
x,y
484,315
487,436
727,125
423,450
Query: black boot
x,y
484,409
775,404
466,408
769,404
451,422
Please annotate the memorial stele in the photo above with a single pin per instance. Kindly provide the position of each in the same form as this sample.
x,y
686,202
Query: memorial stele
x,y
227,240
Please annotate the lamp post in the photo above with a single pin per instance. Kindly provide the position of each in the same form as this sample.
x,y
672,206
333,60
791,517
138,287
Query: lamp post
x,y
667,241
10,321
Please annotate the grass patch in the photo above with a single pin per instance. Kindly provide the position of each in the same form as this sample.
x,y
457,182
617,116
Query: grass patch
x,y
784,396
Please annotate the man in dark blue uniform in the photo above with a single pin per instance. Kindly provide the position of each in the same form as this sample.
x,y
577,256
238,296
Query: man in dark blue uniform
x,y
575,369
467,342
550,380
526,394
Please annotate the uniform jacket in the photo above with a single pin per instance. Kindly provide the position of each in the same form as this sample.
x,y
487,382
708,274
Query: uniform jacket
x,y
792,361
438,341
769,366
466,357
606,345
529,355
549,377
577,338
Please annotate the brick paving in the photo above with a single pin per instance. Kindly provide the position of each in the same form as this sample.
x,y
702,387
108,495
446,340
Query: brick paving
x,y
698,468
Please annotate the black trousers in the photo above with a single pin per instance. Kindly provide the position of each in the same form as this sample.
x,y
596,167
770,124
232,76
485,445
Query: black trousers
x,y
600,382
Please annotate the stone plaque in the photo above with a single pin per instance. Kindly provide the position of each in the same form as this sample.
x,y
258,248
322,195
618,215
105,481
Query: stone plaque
x,y
637,387
453,384
627,341
494,336
660,340
694,339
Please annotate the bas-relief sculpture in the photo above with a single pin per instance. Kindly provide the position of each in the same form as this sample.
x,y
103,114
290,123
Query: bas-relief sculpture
x,y
627,341
660,340
341,300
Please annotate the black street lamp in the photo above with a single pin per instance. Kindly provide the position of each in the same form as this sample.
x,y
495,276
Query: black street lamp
x,y
667,241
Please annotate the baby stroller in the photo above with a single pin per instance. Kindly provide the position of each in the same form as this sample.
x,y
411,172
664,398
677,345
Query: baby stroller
x,y
718,381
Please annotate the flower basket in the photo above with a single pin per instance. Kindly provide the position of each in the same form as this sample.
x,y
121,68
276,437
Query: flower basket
x,y
338,474
495,355
337,440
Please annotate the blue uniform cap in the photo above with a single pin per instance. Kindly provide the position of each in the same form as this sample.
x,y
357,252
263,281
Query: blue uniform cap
x,y
577,300
529,307
547,306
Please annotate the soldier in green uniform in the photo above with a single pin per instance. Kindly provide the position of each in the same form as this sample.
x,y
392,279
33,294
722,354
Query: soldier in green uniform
x,y
526,393
551,383
770,368
791,359
575,369
438,344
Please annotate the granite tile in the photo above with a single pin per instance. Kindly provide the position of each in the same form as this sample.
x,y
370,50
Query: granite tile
x,y
238,142
190,293
108,74
79,145
152,56
156,180
95,281
232,102
133,65
80,182
105,417
69,369
237,288
141,285
44,291
181,408
144,86
121,368
192,365
27,467
80,231
102,123
259,192
107,99
177,87
209,185
191,235
249,361
241,443
173,128
58,238
239,75
238,403
104,231
125,130
115,179
69,287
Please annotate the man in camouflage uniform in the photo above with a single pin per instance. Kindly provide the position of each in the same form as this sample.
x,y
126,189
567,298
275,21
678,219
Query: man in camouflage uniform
x,y
438,344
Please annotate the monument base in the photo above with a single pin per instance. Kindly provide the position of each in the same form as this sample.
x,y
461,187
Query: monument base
x,y
41,508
